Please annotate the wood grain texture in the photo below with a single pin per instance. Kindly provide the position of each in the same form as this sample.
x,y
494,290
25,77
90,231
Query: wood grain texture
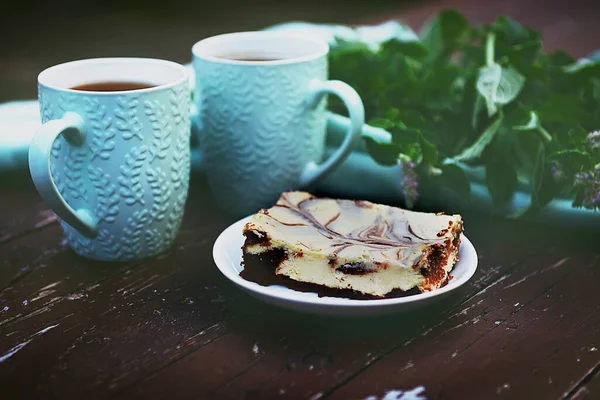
x,y
589,387
490,350
174,325
18,193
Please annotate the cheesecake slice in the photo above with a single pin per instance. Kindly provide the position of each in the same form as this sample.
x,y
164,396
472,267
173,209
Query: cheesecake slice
x,y
368,248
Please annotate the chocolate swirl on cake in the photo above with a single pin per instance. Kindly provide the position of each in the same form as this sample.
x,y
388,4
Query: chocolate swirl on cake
x,y
354,240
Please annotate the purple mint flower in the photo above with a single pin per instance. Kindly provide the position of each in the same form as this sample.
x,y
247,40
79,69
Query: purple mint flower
x,y
591,198
581,179
590,183
593,139
410,183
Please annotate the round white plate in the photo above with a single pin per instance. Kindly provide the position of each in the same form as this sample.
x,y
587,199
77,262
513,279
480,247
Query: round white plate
x,y
227,254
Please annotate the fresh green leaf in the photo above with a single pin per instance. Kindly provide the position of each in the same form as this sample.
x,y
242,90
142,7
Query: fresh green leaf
x,y
578,200
443,33
413,49
563,108
410,118
560,59
584,68
522,152
537,179
382,153
572,159
579,74
476,111
538,169
542,188
430,154
498,86
414,152
402,136
595,90
549,188
501,180
430,95
455,178
577,135
474,151
534,125
512,31
343,46
524,54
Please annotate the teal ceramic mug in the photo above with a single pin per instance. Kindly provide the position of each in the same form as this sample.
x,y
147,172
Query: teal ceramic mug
x,y
260,99
113,163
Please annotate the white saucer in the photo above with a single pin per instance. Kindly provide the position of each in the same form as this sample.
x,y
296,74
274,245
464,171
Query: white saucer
x,y
227,254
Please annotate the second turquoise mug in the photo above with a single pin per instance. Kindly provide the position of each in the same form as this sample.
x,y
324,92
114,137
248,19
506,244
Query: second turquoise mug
x,y
260,99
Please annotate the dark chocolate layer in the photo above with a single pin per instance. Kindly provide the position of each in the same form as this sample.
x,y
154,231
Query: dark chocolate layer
x,y
260,268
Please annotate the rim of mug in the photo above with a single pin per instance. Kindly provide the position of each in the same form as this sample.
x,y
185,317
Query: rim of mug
x,y
185,75
321,44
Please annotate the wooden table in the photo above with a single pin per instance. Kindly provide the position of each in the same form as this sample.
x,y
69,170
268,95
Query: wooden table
x,y
527,326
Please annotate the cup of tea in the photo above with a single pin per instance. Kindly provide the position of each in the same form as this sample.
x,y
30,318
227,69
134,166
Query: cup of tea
x,y
260,99
112,156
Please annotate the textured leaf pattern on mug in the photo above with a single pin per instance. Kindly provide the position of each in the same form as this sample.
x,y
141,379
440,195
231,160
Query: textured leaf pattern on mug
x,y
56,147
161,192
66,102
132,233
175,216
181,160
107,199
162,129
73,172
132,174
130,179
226,105
153,241
56,177
179,98
103,132
258,131
80,244
285,101
45,108
285,105
109,244
127,121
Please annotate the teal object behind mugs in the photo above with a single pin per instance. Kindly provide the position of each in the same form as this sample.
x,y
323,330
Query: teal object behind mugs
x,y
114,166
262,123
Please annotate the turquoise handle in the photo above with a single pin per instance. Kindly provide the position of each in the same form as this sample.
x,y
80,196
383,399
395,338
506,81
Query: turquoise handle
x,y
313,171
71,126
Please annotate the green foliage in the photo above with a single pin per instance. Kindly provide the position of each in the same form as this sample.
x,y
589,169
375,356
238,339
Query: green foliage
x,y
483,96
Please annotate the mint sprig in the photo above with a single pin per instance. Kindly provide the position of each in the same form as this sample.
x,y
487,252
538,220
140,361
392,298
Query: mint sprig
x,y
485,96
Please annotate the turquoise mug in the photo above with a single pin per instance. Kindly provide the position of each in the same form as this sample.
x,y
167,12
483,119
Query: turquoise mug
x,y
114,163
260,100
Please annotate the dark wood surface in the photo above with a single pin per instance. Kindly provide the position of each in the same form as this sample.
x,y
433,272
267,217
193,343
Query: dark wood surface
x,y
526,326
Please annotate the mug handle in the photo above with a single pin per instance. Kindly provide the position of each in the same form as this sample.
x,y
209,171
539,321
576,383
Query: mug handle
x,y
71,126
313,171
